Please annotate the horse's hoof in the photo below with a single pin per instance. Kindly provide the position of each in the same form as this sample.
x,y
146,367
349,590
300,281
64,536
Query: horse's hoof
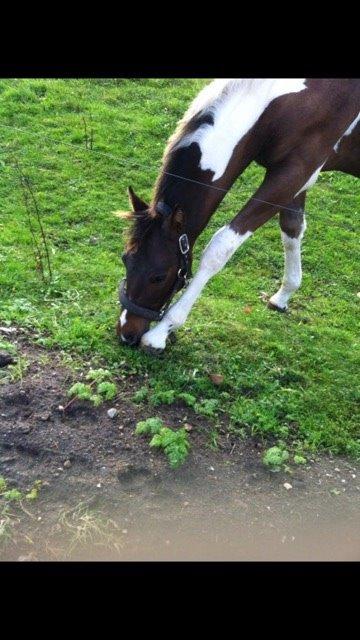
x,y
274,307
153,351
172,338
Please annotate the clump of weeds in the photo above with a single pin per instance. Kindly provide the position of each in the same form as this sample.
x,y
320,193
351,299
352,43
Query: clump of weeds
x,y
175,444
99,388
275,457
9,499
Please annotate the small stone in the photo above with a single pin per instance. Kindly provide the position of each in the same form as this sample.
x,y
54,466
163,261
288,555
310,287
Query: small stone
x,y
45,416
39,518
343,481
112,413
93,240
337,469
98,485
25,430
124,531
353,475
67,464
7,330
60,407
287,486
25,558
188,427
186,504
211,468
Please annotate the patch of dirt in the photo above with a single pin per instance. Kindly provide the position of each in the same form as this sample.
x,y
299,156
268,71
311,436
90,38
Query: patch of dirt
x,y
106,495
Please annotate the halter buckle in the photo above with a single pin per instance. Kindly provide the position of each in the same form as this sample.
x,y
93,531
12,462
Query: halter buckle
x,y
184,244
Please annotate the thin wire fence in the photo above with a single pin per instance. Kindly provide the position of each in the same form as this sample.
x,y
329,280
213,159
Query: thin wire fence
x,y
132,164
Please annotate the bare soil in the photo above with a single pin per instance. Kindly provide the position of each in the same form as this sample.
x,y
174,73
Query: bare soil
x,y
106,495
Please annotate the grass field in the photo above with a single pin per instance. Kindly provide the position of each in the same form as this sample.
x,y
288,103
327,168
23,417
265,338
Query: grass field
x,y
293,376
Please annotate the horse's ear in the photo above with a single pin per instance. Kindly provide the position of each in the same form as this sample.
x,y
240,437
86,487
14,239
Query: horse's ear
x,y
136,203
175,222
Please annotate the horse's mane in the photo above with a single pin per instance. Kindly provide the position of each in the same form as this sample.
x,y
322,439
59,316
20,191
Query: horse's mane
x,y
198,114
142,222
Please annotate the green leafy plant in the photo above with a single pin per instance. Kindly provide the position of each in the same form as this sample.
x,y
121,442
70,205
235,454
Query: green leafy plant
x,y
33,494
163,397
81,390
98,375
299,459
207,407
275,457
150,426
105,389
188,398
175,445
141,395
12,495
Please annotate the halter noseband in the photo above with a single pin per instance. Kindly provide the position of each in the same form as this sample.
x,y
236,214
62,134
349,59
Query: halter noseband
x,y
180,282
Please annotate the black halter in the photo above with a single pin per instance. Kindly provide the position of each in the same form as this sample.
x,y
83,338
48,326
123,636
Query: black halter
x,y
180,282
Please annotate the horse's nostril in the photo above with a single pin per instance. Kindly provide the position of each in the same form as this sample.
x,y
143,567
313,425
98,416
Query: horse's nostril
x,y
130,339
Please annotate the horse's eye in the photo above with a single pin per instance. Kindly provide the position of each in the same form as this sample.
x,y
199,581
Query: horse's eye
x,y
160,277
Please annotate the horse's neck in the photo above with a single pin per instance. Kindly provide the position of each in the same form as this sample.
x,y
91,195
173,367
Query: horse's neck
x,y
195,193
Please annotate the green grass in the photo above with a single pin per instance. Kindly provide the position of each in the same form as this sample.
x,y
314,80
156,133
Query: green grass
x,y
291,376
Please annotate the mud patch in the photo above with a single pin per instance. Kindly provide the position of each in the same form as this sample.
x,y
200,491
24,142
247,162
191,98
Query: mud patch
x,y
106,495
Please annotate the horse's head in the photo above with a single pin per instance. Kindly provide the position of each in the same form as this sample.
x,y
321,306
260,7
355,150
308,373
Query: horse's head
x,y
156,261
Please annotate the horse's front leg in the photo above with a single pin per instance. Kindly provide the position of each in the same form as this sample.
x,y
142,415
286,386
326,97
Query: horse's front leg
x,y
278,187
216,254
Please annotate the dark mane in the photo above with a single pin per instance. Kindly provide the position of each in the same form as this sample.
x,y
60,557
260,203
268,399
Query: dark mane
x,y
143,221
174,191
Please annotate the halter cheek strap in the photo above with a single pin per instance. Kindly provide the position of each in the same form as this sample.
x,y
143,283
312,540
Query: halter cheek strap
x,y
148,314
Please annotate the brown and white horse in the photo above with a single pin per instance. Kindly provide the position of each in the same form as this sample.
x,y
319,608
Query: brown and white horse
x,y
295,128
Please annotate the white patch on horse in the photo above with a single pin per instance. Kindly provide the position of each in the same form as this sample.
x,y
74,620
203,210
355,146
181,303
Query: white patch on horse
x,y
216,254
235,106
292,273
352,126
123,318
311,180
348,131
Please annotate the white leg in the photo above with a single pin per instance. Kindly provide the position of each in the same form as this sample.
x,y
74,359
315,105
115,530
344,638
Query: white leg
x,y
219,250
292,273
